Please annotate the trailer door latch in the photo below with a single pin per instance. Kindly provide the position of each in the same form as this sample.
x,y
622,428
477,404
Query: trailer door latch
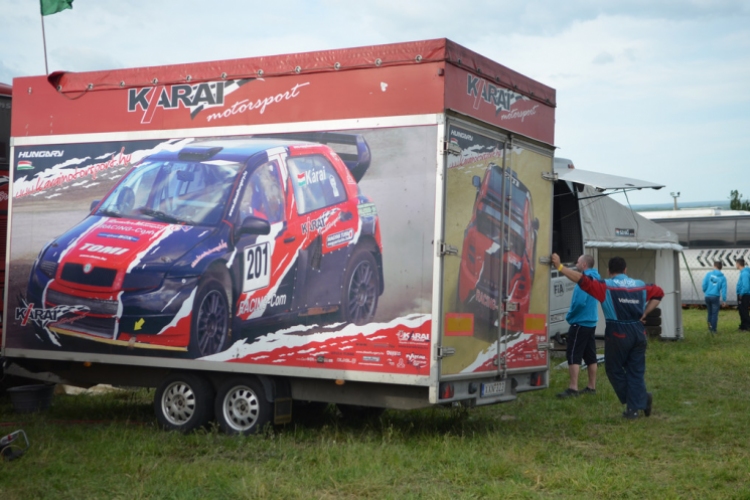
x,y
446,249
444,352
550,176
451,148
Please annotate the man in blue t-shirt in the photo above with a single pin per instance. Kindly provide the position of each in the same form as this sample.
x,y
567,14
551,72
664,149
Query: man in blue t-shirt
x,y
743,294
581,342
714,287
625,303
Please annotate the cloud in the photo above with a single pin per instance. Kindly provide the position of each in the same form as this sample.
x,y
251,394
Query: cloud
x,y
603,58
643,87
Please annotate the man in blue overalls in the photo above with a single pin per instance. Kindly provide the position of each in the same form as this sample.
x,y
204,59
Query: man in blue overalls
x,y
626,303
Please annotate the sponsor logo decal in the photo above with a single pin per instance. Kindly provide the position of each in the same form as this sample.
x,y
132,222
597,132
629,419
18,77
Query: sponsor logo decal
x,y
41,154
461,134
371,359
367,209
315,225
118,236
416,359
69,175
249,305
104,249
501,99
218,248
413,337
393,353
203,96
43,317
485,300
628,301
339,238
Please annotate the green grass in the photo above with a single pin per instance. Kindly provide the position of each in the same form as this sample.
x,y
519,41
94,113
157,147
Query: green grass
x,y
695,445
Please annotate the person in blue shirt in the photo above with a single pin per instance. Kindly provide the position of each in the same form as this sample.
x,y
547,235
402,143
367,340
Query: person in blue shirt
x,y
625,303
581,342
714,288
743,294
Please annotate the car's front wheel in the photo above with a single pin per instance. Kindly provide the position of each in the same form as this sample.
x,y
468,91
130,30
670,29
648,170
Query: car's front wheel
x,y
210,325
361,288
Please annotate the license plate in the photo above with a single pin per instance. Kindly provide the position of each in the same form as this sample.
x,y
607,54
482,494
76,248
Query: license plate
x,y
493,388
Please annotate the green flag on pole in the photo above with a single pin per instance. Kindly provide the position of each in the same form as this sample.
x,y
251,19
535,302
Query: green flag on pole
x,y
50,7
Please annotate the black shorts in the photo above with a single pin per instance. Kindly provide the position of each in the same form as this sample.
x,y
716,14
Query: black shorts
x,y
581,345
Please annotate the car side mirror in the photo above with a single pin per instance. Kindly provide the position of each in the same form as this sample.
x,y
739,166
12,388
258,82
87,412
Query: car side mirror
x,y
93,205
254,225
476,181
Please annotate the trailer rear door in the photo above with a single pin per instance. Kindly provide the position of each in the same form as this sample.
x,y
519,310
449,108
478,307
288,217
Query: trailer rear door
x,y
497,223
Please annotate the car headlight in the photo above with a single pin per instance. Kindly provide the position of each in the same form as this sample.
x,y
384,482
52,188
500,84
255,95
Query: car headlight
x,y
142,280
48,267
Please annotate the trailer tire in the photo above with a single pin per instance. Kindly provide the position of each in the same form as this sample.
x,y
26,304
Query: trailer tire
x,y
653,331
241,406
361,289
656,313
210,322
183,402
653,321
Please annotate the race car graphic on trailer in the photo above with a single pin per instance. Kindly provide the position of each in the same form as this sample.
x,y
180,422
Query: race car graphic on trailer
x,y
220,236
500,240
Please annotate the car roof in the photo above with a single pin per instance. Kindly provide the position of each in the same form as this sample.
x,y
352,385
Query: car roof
x,y
237,150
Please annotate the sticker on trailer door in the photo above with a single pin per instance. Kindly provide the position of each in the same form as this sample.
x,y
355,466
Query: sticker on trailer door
x,y
257,267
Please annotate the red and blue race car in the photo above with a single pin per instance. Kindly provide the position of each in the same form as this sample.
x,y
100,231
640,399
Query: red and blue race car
x,y
500,240
196,247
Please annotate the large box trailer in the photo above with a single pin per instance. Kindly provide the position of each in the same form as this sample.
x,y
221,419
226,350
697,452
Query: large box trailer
x,y
367,227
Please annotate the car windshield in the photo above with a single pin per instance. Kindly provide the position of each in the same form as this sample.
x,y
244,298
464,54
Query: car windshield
x,y
175,192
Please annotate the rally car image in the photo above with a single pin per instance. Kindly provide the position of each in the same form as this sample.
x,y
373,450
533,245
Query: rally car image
x,y
500,240
223,236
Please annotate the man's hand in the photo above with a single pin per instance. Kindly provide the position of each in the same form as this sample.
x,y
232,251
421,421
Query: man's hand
x,y
555,260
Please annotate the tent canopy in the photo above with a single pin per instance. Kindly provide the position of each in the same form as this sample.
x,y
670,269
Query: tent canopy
x,y
609,224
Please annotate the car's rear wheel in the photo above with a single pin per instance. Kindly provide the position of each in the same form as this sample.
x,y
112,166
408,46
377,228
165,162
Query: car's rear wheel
x,y
210,326
361,288
183,402
241,406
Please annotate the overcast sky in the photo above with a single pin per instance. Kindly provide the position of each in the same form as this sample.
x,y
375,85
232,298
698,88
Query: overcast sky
x,y
657,90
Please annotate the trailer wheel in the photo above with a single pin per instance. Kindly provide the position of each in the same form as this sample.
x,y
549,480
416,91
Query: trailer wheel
x,y
210,324
183,402
656,313
653,320
653,331
361,288
241,406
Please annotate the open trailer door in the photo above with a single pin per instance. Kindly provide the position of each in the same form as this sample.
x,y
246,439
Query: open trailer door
x,y
495,299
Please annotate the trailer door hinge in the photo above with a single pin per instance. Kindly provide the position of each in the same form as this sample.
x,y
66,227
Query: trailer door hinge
x,y
446,249
444,352
451,148
546,260
550,176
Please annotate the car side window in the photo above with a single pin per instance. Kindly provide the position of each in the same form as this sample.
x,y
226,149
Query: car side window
x,y
316,183
264,194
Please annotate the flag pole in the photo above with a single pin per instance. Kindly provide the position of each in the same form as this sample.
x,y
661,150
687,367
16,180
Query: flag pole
x,y
44,42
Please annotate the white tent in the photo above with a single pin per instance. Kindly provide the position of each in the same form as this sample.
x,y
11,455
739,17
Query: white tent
x,y
651,252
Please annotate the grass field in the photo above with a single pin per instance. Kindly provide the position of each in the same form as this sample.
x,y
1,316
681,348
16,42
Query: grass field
x,y
695,445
